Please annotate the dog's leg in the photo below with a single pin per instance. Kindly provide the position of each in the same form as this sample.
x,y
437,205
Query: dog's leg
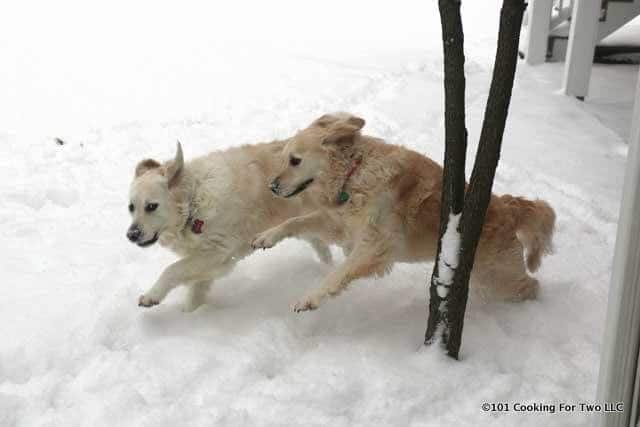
x,y
321,248
505,276
312,223
371,257
197,291
189,269
196,295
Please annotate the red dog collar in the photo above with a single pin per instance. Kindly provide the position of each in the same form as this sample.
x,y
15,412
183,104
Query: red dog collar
x,y
196,227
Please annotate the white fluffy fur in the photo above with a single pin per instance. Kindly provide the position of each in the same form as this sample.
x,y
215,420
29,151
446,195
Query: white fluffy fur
x,y
226,190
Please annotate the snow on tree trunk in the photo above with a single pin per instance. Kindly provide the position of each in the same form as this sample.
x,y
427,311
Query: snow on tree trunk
x,y
449,256
462,212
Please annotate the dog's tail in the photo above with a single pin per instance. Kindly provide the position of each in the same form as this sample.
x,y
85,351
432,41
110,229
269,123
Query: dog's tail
x,y
535,223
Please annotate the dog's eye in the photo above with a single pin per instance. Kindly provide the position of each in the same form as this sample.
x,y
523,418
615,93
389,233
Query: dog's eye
x,y
131,207
150,207
294,161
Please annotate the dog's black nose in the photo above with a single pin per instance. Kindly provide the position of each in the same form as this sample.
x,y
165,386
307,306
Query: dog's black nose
x,y
134,233
275,186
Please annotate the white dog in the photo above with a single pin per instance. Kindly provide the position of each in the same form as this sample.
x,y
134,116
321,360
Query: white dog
x,y
207,211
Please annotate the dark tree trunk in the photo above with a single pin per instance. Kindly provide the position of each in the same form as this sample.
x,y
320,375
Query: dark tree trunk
x,y
455,136
451,309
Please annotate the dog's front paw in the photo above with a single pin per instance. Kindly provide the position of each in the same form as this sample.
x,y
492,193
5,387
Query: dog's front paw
x,y
306,304
265,240
147,301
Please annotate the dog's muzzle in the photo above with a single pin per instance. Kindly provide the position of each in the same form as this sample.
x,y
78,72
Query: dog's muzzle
x,y
277,190
300,188
134,234
275,187
148,242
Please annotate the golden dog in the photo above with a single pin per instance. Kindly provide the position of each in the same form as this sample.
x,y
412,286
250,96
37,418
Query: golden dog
x,y
381,204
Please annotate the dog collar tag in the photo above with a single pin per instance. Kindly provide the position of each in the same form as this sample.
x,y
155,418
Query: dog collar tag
x,y
343,197
196,227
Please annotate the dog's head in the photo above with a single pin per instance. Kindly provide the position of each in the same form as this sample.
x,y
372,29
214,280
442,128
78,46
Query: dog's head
x,y
307,154
150,203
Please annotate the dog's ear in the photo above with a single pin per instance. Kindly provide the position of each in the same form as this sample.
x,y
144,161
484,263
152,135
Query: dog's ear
x,y
343,129
146,165
325,120
174,167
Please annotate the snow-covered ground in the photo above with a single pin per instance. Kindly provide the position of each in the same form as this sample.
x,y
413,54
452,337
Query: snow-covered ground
x,y
121,82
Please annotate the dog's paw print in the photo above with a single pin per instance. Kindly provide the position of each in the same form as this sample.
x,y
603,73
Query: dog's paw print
x,y
146,301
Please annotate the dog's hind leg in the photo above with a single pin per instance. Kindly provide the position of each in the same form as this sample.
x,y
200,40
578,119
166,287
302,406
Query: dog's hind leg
x,y
505,277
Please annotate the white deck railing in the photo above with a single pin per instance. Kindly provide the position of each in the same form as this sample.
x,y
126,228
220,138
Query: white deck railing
x,y
547,18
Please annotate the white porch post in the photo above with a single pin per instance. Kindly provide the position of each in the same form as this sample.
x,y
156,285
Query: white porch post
x,y
582,43
538,31
619,367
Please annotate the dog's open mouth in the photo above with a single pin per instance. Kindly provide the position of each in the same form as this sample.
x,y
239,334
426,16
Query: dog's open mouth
x,y
300,188
148,242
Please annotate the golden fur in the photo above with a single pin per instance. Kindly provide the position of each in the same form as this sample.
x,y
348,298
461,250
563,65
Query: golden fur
x,y
393,212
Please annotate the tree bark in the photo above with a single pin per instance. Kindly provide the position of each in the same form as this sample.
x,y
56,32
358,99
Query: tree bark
x,y
478,194
455,131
